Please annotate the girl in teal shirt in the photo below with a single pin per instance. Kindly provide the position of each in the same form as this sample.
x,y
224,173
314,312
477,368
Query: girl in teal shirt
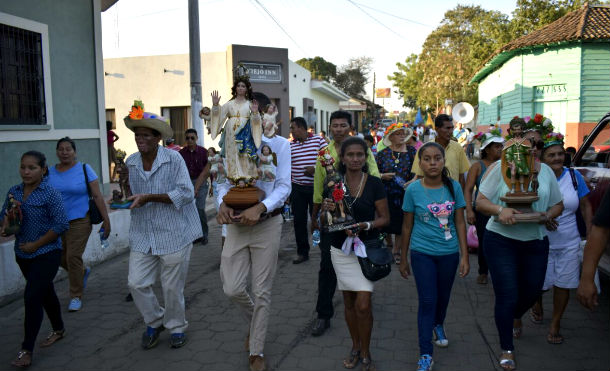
x,y
435,230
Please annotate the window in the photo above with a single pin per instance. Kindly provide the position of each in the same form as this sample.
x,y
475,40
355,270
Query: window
x,y
179,120
110,116
22,85
290,113
499,106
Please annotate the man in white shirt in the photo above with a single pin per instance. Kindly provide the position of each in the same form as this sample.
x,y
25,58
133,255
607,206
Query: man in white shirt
x,y
251,248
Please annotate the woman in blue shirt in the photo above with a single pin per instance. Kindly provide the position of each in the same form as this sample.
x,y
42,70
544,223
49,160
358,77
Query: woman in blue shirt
x,y
434,229
68,178
37,250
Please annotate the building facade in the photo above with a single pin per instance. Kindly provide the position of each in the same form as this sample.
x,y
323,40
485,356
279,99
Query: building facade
x,y
162,84
561,71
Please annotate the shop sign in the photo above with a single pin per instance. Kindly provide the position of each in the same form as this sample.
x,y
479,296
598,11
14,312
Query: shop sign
x,y
264,72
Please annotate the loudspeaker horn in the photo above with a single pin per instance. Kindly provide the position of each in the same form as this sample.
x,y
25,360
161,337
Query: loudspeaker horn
x,y
463,112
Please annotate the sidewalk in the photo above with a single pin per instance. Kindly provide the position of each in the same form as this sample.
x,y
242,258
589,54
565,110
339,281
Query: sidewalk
x,y
105,334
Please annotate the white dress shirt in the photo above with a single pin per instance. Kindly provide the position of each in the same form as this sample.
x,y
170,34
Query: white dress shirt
x,y
278,191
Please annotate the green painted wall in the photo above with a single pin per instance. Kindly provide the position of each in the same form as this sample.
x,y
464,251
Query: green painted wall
x,y
513,83
595,86
71,39
10,153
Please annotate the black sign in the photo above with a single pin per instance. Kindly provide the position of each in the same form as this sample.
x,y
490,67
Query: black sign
x,y
264,72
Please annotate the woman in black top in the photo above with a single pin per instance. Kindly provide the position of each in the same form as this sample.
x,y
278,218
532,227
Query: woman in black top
x,y
365,200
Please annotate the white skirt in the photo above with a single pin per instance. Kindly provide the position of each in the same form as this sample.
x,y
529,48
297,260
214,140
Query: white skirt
x,y
349,273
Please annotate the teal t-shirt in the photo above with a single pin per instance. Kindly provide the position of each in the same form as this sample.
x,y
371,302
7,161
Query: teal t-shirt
x,y
433,211
549,194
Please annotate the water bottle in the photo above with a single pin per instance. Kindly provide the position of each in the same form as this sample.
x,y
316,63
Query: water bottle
x,y
286,212
104,241
316,238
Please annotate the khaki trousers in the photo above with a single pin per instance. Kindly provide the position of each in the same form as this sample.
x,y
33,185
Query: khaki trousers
x,y
251,250
74,241
172,268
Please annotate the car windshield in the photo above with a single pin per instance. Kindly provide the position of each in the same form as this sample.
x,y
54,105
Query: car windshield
x,y
598,153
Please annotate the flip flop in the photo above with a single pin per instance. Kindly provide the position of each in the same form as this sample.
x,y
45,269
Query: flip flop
x,y
397,258
554,338
517,331
535,317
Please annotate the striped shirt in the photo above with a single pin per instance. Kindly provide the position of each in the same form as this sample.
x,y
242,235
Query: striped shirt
x,y
304,154
158,228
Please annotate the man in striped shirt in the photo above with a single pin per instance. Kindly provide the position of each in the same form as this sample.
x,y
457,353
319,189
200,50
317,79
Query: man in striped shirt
x,y
304,150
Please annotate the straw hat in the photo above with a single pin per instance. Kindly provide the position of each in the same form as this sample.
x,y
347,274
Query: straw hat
x,y
137,118
493,136
393,128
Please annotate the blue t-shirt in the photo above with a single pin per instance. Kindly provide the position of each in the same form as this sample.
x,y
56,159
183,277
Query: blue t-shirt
x,y
433,211
71,185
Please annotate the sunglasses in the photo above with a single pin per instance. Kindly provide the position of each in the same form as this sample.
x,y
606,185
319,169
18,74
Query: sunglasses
x,y
191,138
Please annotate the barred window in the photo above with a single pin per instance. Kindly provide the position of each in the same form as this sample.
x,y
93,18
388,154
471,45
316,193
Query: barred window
x,y
22,95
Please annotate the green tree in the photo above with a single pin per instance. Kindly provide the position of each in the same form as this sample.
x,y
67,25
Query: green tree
x,y
407,79
320,68
529,15
352,77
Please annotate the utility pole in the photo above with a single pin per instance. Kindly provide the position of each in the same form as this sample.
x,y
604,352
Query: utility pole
x,y
374,107
195,68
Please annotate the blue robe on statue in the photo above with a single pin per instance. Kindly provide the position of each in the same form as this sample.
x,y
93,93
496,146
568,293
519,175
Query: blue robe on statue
x,y
245,142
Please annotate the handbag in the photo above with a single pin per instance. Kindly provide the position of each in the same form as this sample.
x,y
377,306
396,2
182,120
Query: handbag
x,y
379,260
472,239
95,217
580,221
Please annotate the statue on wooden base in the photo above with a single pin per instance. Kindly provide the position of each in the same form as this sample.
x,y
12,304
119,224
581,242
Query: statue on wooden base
x,y
119,197
338,219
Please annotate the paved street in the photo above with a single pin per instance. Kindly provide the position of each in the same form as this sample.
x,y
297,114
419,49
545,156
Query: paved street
x,y
105,335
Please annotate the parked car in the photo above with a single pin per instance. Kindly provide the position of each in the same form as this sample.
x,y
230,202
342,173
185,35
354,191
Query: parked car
x,y
593,161
385,122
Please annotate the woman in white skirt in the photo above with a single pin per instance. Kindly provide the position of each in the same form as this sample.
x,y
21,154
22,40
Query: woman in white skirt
x,y
364,198
563,269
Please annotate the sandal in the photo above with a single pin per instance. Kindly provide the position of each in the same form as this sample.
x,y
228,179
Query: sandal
x,y
352,359
554,338
507,360
53,337
23,360
517,332
397,258
535,317
368,365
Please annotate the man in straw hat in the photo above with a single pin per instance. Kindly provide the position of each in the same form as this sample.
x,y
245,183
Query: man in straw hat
x,y
164,223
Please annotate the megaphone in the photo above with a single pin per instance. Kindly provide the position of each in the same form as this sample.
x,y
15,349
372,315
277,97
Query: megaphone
x,y
463,112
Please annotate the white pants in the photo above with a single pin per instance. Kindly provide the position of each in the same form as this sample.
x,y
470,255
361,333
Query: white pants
x,y
172,268
252,250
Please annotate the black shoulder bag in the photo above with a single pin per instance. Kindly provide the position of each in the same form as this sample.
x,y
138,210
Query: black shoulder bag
x,y
95,217
379,260
580,221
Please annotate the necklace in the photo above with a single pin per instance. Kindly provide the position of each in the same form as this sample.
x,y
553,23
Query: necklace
x,y
442,198
396,158
349,204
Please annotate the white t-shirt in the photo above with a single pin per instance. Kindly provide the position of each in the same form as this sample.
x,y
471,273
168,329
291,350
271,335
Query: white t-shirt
x,y
566,235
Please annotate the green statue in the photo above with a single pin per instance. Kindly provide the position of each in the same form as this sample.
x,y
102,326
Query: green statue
x,y
516,153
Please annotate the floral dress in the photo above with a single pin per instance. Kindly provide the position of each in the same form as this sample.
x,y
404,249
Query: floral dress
x,y
400,163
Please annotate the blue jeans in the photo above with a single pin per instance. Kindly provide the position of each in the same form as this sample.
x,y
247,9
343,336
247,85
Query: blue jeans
x,y
517,271
200,203
434,277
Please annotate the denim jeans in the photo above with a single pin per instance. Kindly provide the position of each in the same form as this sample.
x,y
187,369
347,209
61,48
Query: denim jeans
x,y
434,277
480,223
517,271
200,203
301,199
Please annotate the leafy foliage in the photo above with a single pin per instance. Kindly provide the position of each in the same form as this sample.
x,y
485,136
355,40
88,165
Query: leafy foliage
x,y
352,77
320,68
457,48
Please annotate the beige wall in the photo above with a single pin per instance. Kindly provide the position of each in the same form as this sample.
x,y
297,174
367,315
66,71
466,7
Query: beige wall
x,y
143,78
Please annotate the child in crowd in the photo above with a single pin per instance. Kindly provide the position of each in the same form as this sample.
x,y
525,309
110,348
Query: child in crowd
x,y
435,230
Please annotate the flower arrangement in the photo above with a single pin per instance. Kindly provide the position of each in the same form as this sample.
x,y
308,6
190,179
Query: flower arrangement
x,y
393,127
137,110
338,192
552,139
482,137
325,158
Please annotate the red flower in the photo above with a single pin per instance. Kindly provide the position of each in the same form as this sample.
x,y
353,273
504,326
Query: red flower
x,y
538,118
516,117
338,193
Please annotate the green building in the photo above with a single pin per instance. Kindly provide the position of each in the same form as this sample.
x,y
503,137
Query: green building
x,y
561,71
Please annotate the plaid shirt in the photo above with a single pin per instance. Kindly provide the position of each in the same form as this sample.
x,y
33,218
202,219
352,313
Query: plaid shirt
x,y
156,227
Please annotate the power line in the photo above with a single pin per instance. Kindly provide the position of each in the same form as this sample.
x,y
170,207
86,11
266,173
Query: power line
x,y
279,25
395,16
376,20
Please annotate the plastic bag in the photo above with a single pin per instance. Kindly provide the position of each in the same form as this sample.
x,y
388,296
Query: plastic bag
x,y
472,240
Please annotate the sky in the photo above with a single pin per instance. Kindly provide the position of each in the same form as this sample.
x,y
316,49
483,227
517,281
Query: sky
x,y
336,30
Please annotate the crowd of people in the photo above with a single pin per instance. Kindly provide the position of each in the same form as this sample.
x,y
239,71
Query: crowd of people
x,y
417,197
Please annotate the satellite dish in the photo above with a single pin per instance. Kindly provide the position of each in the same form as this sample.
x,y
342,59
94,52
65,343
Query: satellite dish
x,y
463,112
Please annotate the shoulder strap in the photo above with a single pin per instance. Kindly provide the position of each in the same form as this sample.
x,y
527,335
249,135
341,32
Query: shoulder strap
x,y
86,180
574,182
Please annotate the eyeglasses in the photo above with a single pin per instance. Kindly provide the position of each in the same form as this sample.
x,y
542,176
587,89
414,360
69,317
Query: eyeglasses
x,y
191,138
